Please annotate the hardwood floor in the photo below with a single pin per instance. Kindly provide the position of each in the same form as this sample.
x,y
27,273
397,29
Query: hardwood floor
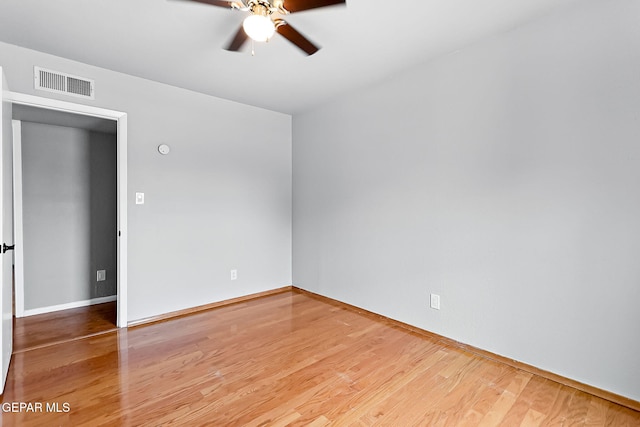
x,y
61,326
286,359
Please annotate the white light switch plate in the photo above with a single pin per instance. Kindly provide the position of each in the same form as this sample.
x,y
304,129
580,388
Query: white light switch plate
x,y
435,301
139,198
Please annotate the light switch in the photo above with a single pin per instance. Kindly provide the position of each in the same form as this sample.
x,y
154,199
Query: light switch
x,y
435,301
139,198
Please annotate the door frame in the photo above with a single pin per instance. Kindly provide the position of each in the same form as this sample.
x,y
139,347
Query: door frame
x,y
122,253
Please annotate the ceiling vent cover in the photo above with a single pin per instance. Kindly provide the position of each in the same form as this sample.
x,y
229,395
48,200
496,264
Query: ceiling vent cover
x,y
55,81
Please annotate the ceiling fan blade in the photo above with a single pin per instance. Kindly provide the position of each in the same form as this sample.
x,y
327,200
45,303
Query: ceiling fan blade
x,y
299,5
291,34
238,40
220,3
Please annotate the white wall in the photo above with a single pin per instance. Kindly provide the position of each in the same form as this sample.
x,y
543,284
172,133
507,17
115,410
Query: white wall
x,y
220,200
504,178
69,214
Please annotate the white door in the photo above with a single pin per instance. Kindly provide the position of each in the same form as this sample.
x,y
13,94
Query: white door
x,y
6,233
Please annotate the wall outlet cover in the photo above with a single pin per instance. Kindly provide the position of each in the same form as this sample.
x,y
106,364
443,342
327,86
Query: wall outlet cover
x,y
102,275
435,301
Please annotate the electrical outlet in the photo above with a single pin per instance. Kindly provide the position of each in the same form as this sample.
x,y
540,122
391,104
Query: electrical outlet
x,y
234,274
435,301
102,275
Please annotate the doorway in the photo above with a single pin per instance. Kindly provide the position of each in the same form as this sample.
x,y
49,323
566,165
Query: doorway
x,y
65,197
79,113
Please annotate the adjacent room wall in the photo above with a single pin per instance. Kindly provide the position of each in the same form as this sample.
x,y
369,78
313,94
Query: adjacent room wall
x,y
103,212
504,178
220,200
69,214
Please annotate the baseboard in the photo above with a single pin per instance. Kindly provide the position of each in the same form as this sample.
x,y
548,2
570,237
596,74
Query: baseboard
x,y
607,395
66,306
192,310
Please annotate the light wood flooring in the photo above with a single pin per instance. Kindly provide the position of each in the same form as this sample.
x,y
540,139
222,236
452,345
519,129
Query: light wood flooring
x,y
286,359
62,326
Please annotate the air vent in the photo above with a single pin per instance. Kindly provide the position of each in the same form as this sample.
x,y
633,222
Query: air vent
x,y
55,81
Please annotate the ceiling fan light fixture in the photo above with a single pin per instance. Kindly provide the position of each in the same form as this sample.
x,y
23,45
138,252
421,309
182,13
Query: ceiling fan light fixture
x,y
260,28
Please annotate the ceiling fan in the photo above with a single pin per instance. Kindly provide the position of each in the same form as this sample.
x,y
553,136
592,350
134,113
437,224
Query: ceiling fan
x,y
261,24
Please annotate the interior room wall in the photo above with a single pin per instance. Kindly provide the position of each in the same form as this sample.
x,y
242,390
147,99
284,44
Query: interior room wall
x,y
103,212
502,177
220,200
69,214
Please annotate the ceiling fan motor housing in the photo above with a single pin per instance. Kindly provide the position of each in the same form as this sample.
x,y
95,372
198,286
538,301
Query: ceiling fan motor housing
x,y
261,7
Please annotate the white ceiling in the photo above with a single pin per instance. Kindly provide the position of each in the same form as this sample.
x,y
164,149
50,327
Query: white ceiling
x,y
180,42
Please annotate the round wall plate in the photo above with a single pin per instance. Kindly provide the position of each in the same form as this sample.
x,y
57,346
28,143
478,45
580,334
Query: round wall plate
x,y
163,149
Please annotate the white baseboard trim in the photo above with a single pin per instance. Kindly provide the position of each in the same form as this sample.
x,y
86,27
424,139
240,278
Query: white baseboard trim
x,y
75,304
